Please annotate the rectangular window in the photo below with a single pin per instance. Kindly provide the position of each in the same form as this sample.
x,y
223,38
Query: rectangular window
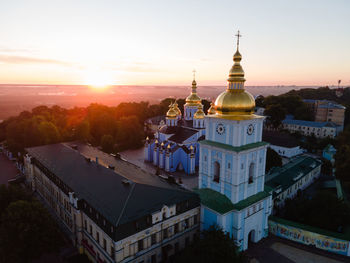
x,y
140,244
176,228
85,225
90,229
104,244
154,258
165,233
112,251
153,239
97,237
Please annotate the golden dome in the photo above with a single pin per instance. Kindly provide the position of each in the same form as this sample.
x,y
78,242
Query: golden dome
x,y
171,114
235,100
193,99
211,110
199,113
176,108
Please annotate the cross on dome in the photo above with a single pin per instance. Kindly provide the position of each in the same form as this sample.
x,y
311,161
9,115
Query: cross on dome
x,y
238,35
194,74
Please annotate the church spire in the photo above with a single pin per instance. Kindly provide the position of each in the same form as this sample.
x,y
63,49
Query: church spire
x,y
236,76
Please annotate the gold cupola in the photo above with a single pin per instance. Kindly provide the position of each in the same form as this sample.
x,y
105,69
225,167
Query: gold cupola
x,y
171,114
199,113
193,99
176,108
211,110
235,101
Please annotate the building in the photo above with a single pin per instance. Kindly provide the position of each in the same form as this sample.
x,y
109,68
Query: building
x,y
232,164
296,175
327,111
176,143
283,143
308,128
112,215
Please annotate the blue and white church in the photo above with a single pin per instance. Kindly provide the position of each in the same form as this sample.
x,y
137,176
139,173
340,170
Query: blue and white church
x,y
232,164
176,143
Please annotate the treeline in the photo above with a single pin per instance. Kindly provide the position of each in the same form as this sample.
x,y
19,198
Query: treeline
x,y
114,128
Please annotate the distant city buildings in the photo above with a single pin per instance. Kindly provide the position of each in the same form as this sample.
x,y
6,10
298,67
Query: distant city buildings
x,y
126,215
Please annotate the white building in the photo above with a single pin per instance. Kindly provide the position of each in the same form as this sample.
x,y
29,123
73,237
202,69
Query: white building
x,y
126,215
308,128
283,143
296,175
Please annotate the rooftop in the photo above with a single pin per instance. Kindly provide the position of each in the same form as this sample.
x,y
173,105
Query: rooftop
x,y
222,204
280,139
287,175
315,124
120,196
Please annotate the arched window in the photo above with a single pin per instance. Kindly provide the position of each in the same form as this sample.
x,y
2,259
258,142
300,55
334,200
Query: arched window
x,y
216,172
251,173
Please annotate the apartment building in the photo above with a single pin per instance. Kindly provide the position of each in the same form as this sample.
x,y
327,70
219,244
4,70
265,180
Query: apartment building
x,y
110,216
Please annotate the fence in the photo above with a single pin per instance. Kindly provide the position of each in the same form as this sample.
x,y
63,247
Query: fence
x,y
330,241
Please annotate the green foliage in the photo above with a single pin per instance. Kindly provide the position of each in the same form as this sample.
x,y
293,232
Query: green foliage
x,y
326,168
324,210
213,246
276,114
272,159
107,143
342,156
26,229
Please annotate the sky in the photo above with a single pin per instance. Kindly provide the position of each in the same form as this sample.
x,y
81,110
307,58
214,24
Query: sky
x,y
160,42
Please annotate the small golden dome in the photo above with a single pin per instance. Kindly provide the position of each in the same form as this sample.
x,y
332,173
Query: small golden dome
x,y
176,108
193,98
171,114
211,110
199,113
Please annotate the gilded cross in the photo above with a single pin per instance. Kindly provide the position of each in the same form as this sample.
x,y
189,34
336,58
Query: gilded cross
x,y
238,35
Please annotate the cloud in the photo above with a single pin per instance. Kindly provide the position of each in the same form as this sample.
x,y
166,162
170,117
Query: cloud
x,y
30,60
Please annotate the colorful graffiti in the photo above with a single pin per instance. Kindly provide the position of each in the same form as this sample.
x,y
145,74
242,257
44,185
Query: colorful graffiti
x,y
330,244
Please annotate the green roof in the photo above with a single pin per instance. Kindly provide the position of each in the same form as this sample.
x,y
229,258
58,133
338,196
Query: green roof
x,y
221,204
344,236
233,148
290,173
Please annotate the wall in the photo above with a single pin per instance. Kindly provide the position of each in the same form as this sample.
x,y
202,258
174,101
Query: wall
x,y
308,236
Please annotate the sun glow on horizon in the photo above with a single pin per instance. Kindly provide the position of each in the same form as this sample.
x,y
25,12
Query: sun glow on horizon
x,y
98,80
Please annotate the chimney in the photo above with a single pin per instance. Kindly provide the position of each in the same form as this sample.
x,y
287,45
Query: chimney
x,y
96,160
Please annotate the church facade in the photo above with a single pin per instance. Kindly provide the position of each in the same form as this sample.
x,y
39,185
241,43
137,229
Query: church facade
x,y
232,165
176,144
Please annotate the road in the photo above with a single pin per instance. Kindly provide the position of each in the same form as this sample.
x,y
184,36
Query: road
x,y
8,169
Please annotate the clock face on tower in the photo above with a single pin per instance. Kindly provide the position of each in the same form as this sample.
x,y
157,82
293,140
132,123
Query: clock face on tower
x,y
250,129
220,128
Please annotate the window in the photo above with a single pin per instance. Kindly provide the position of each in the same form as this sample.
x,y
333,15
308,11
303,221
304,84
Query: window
x,y
90,229
176,228
187,223
205,158
195,219
154,258
165,233
229,166
104,244
85,225
216,172
251,173
153,239
140,244
112,251
98,237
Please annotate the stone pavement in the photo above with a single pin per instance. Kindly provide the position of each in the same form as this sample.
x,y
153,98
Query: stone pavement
x,y
8,169
137,157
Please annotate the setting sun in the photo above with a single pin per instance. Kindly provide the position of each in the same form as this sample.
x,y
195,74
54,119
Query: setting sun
x,y
98,79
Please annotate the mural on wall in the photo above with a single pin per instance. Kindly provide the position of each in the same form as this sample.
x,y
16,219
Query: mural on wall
x,y
330,244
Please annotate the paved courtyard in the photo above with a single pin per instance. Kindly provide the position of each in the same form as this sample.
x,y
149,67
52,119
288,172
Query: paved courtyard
x,y
274,249
137,157
8,169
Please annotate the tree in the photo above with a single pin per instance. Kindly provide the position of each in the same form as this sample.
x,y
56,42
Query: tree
x,y
83,131
342,163
214,245
276,114
273,159
26,232
107,143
